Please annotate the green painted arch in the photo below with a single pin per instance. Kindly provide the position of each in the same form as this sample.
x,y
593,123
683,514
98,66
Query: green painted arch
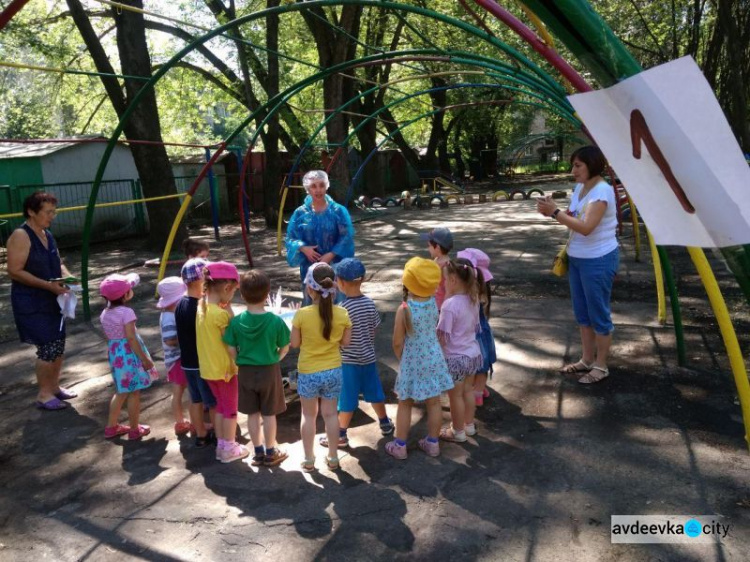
x,y
297,7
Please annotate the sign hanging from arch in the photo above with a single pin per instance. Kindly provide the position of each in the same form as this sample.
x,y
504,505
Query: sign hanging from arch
x,y
666,136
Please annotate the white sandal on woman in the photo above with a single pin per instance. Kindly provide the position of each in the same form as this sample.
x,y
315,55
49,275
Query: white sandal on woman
x,y
591,378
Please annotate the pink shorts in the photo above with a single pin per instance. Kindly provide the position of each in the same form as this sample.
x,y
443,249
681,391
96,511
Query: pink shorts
x,y
227,396
176,374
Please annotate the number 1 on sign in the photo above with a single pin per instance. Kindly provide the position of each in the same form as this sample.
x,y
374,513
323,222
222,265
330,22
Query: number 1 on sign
x,y
639,131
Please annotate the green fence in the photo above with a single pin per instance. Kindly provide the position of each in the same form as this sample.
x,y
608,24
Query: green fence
x,y
110,223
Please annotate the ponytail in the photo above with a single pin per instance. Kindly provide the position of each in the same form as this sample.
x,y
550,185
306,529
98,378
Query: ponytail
x,y
325,306
408,326
467,274
324,276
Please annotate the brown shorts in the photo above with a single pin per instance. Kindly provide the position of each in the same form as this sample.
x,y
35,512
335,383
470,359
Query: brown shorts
x,y
261,390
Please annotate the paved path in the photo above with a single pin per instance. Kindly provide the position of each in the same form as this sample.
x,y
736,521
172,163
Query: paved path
x,y
551,463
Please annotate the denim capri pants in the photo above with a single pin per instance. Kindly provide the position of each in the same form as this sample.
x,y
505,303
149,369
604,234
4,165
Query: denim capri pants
x,y
591,289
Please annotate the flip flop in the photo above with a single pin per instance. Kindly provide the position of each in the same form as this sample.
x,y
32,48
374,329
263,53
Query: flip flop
x,y
65,394
51,404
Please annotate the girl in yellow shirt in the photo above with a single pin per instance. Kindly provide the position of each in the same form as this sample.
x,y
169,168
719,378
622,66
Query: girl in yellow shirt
x,y
319,330
216,366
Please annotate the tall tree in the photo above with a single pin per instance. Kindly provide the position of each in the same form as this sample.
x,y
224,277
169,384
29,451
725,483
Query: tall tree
x,y
335,39
151,161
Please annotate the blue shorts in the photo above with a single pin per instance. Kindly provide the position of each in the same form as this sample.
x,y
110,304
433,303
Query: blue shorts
x,y
360,379
323,384
591,289
198,388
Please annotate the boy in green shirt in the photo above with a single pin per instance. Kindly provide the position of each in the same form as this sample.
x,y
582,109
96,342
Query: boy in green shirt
x,y
257,341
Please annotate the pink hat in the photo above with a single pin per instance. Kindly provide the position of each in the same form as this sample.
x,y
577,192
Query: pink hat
x,y
171,290
480,260
116,286
222,270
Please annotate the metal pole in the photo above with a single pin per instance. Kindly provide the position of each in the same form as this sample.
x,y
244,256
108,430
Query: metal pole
x,y
214,196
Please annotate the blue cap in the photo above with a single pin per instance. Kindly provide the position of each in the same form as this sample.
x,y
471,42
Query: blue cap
x,y
440,236
349,269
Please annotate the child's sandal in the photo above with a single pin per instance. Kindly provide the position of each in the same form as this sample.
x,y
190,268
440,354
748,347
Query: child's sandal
x,y
333,463
307,465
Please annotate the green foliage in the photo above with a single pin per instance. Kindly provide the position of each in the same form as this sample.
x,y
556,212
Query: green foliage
x,y
201,103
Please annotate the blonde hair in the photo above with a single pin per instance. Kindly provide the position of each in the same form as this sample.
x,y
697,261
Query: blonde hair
x,y
211,285
408,326
467,274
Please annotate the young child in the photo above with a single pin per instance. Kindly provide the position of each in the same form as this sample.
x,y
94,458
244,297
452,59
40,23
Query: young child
x,y
216,366
423,374
439,244
318,330
359,369
457,330
485,337
171,290
185,314
195,248
132,367
257,341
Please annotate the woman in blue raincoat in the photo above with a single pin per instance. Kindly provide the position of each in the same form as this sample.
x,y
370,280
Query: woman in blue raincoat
x,y
320,230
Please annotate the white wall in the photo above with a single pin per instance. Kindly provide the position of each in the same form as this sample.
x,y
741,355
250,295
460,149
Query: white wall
x,y
78,165
80,162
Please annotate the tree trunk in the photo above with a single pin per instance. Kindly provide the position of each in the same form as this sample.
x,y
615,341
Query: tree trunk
x,y
335,47
151,161
372,180
737,112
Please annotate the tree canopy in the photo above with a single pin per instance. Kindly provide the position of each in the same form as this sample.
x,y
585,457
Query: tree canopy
x,y
215,87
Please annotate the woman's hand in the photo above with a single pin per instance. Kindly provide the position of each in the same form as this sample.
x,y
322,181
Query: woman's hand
x,y
147,363
327,258
311,253
546,206
57,288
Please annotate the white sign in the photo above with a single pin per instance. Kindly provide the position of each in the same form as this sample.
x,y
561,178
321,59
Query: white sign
x,y
668,141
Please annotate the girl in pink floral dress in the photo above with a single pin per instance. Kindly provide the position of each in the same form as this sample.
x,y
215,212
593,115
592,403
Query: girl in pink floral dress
x,y
132,367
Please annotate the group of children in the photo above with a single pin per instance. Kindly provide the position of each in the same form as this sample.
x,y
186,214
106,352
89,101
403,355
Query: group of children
x,y
231,363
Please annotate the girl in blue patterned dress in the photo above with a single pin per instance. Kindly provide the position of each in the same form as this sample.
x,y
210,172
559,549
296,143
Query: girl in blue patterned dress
x,y
132,367
423,372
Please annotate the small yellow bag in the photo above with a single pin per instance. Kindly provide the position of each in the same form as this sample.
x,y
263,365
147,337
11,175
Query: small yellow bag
x,y
560,265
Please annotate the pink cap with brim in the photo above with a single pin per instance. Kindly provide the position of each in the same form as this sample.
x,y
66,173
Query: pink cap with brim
x,y
222,270
480,260
116,286
171,290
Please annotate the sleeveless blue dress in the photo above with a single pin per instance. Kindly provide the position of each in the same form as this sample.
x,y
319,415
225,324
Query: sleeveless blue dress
x,y
36,311
423,372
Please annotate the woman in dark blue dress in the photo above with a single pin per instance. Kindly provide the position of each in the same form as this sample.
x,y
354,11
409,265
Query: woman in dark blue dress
x,y
33,261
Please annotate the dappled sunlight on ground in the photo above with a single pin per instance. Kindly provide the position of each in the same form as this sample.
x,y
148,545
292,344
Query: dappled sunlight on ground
x,y
551,462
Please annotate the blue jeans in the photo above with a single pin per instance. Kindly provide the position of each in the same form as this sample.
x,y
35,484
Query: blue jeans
x,y
591,288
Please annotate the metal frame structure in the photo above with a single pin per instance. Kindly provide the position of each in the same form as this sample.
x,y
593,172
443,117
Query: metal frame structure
x,y
573,22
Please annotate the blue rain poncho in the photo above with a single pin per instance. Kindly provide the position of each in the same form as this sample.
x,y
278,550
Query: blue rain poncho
x,y
330,231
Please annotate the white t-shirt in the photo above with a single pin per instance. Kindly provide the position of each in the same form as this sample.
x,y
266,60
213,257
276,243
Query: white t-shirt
x,y
603,239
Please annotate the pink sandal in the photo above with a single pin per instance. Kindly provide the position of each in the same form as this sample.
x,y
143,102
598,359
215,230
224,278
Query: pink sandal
x,y
115,431
138,432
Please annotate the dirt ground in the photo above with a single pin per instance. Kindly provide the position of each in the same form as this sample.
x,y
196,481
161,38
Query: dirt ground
x,y
552,461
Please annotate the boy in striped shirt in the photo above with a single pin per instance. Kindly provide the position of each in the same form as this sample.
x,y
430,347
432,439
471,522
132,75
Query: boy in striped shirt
x,y
360,371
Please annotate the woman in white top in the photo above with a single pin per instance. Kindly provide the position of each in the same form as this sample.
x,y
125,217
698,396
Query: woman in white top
x,y
593,258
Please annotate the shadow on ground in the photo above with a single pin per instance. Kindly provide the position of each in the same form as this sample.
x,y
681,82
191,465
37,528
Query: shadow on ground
x,y
552,461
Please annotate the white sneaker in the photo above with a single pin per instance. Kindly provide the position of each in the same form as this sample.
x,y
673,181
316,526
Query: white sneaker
x,y
470,429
